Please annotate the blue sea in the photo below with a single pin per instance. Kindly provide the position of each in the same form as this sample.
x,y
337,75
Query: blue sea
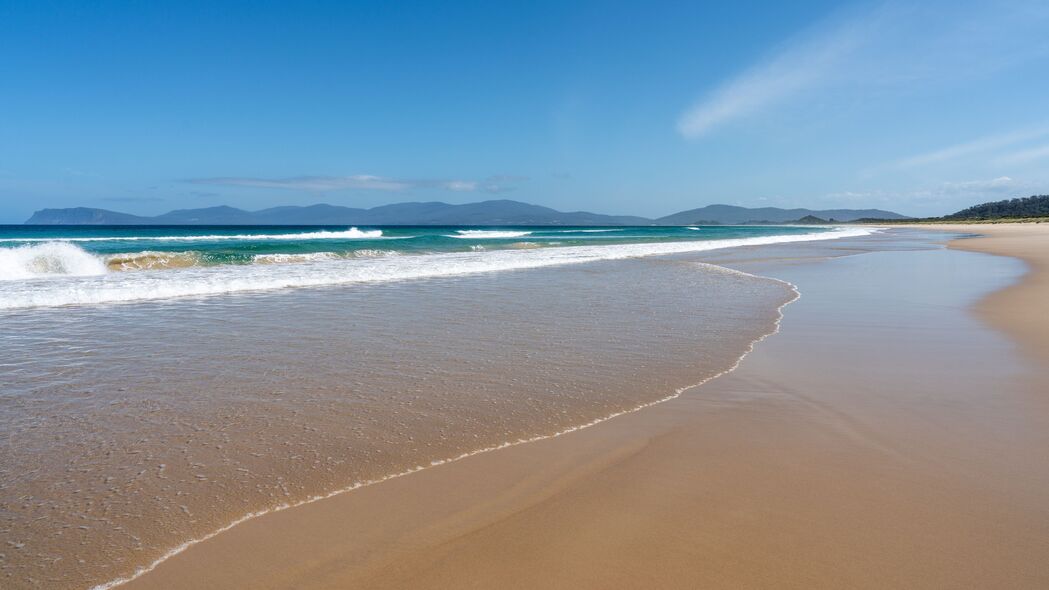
x,y
47,266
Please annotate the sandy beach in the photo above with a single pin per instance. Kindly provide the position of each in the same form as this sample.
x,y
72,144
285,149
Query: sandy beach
x,y
885,437
524,296
1019,310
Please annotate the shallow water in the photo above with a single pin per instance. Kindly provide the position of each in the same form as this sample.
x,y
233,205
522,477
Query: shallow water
x,y
128,429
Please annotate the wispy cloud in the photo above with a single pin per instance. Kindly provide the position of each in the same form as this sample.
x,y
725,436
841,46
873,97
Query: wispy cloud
x,y
1024,156
310,183
964,191
494,184
1002,184
892,45
134,199
983,145
799,65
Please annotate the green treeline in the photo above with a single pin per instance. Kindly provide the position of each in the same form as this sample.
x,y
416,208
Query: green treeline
x,y
1036,206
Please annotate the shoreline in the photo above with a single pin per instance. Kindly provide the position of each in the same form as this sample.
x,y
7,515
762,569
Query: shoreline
x,y
1008,309
236,433
413,551
142,571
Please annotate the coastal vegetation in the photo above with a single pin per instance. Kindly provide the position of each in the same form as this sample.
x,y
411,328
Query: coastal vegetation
x,y
1033,209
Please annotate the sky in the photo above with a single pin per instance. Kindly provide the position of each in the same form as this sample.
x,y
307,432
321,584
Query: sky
x,y
644,108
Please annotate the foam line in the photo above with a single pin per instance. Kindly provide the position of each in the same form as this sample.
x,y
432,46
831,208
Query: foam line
x,y
350,234
360,484
225,279
483,234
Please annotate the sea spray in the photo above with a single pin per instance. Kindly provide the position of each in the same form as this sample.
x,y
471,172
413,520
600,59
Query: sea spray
x,y
85,287
47,259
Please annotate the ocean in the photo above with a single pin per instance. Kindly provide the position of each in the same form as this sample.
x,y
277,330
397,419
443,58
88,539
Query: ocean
x,y
46,266
162,384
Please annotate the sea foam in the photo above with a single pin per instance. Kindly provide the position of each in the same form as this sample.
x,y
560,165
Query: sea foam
x,y
350,234
484,234
150,260
82,286
48,259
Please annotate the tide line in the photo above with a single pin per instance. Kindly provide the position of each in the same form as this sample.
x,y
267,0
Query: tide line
x,y
436,463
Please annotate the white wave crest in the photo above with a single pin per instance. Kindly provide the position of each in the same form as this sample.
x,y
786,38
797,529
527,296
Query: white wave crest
x,y
48,260
150,260
693,228
290,258
216,280
589,231
350,234
373,253
319,256
484,234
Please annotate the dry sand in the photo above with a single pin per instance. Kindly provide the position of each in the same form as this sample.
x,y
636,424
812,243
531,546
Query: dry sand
x,y
885,438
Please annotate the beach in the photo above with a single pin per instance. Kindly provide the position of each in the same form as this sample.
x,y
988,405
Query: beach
x,y
758,406
524,296
280,366
886,436
1018,310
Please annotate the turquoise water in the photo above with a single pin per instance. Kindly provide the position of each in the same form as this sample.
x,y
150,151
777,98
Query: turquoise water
x,y
46,266
245,244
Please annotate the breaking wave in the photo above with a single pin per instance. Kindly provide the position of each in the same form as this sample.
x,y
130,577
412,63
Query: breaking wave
x,y
319,256
149,260
86,280
48,259
350,234
484,234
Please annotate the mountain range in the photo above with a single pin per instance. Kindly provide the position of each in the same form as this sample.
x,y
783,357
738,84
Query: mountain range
x,y
494,212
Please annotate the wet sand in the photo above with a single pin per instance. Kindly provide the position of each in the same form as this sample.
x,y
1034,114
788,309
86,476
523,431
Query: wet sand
x,y
886,437
113,451
1020,310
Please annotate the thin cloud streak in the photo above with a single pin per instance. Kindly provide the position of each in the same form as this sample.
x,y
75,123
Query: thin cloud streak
x,y
891,45
965,191
310,183
978,146
495,184
798,67
1024,156
134,199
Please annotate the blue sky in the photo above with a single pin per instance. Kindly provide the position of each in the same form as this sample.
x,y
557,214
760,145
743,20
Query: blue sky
x,y
634,108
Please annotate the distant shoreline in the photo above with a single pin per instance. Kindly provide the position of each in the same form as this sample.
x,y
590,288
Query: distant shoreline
x,y
952,222
502,212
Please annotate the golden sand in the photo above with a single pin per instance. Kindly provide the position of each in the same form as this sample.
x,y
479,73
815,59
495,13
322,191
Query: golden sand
x,y
841,454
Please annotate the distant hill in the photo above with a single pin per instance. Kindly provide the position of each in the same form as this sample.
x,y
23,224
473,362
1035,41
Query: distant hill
x,y
83,216
811,220
732,215
1035,206
496,212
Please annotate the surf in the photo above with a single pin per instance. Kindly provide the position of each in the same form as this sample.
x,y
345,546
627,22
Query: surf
x,y
92,285
484,234
48,259
350,234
